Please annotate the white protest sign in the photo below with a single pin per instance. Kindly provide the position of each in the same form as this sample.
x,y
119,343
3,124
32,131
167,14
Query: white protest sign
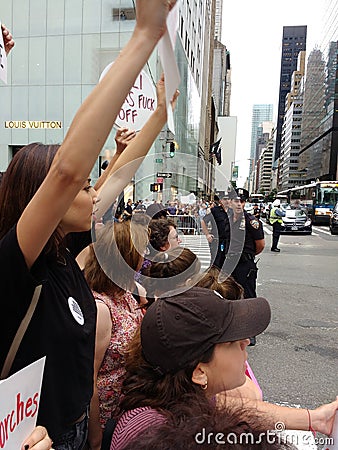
x,y
140,103
20,399
3,59
167,56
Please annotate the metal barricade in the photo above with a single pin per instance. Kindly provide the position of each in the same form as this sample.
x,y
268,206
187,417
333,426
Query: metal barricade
x,y
185,223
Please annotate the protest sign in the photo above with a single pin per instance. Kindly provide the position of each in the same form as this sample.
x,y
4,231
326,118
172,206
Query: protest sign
x,y
20,399
3,59
167,56
139,104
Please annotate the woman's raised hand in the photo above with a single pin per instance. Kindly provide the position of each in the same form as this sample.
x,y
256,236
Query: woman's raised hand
x,y
161,96
8,39
151,16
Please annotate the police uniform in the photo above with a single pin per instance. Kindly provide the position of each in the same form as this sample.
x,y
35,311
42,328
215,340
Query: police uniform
x,y
218,218
240,261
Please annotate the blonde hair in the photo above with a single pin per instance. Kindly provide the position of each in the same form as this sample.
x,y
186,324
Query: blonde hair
x,y
115,256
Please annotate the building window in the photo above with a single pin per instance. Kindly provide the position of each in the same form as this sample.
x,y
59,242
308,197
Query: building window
x,y
123,14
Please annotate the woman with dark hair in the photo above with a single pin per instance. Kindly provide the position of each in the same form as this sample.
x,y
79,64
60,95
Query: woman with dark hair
x,y
175,269
109,271
46,212
190,347
222,283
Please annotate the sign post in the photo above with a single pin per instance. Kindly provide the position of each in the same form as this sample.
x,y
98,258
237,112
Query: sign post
x,y
164,174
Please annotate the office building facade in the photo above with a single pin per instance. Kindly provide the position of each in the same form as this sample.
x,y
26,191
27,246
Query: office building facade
x,y
61,50
293,41
260,113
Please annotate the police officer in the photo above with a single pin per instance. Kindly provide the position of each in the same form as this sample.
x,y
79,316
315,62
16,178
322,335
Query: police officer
x,y
247,241
276,221
218,236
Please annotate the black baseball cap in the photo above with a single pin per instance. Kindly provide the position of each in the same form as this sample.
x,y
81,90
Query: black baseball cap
x,y
178,330
156,211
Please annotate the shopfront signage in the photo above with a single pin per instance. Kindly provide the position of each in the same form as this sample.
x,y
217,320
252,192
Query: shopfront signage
x,y
34,124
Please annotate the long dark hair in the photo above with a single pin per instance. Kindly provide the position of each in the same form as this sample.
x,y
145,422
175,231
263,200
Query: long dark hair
x,y
20,182
170,270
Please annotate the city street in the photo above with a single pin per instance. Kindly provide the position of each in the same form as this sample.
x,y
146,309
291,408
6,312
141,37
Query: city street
x,y
295,360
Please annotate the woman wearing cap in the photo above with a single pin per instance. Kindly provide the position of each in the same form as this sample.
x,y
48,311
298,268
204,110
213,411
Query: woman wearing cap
x,y
185,353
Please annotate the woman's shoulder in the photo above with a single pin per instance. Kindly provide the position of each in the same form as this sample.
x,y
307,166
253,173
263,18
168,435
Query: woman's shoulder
x,y
134,422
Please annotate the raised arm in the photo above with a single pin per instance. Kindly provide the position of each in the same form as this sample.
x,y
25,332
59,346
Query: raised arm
x,y
123,137
132,157
88,132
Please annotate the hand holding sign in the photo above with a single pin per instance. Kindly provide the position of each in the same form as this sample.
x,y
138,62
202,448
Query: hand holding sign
x,y
6,45
168,61
7,39
38,439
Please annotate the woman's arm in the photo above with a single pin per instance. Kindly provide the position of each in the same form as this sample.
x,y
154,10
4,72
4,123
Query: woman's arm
x,y
132,157
103,335
89,131
123,137
320,419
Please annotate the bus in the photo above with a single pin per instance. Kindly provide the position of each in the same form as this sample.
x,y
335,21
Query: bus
x,y
318,198
256,198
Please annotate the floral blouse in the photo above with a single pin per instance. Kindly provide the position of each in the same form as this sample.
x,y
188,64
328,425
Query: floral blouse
x,y
126,317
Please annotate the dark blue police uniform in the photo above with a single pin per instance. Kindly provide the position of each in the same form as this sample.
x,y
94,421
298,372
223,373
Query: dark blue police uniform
x,y
218,218
240,259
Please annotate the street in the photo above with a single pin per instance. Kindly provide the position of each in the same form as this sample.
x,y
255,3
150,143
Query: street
x,y
295,360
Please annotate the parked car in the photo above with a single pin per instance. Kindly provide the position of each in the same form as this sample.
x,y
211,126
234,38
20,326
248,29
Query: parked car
x,y
296,221
334,220
249,207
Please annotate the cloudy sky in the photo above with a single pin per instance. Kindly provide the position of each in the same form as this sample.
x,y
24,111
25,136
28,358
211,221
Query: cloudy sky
x,y
252,31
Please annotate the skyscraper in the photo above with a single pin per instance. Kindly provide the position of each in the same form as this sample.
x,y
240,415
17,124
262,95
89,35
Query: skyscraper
x,y
260,113
294,40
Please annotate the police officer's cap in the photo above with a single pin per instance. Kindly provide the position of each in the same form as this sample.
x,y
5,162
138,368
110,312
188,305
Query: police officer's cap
x,y
240,194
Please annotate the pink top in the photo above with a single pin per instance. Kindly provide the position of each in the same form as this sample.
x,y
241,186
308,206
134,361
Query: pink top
x,y
252,377
132,423
126,318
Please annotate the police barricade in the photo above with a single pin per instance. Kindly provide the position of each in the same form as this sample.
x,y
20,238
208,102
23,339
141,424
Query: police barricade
x,y
185,223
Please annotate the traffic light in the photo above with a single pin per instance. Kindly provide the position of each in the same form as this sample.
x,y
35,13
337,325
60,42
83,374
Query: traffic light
x,y
156,187
172,149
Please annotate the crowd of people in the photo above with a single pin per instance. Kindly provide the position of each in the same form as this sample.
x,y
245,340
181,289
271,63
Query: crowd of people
x,y
133,332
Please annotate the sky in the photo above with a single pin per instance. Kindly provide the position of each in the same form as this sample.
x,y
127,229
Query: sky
x,y
252,31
